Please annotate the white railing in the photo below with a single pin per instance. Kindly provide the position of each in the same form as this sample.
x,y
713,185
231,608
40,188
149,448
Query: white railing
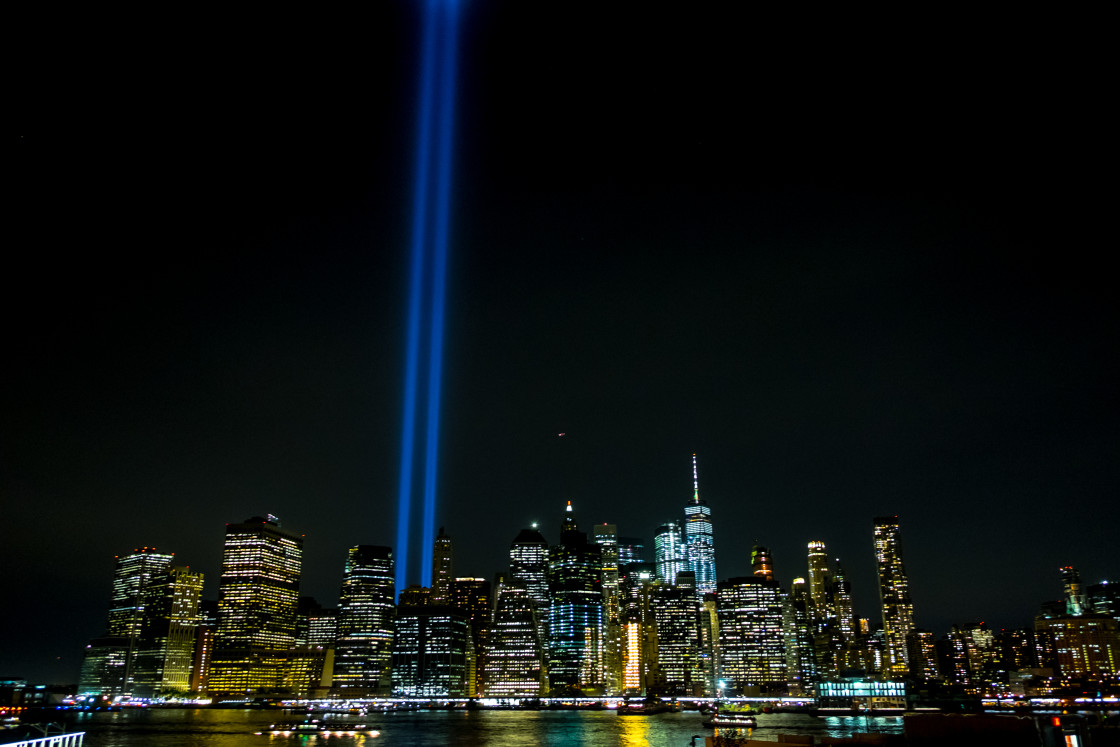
x,y
59,740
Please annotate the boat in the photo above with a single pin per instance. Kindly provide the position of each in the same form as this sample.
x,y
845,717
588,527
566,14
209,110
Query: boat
x,y
723,719
319,728
648,707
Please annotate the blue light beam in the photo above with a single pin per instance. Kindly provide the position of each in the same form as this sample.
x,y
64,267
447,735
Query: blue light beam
x,y
427,281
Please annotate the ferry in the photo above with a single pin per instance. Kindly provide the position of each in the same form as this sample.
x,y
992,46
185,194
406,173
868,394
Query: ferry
x,y
723,719
319,728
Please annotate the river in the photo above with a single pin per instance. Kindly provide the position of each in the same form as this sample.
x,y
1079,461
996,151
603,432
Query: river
x,y
213,727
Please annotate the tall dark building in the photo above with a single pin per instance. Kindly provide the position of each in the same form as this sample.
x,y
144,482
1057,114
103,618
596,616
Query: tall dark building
x,y
258,597
576,612
630,550
364,638
894,595
110,662
471,597
430,652
797,631
165,654
443,568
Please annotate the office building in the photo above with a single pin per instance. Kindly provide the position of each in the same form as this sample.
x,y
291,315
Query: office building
x,y
513,658
676,613
430,652
576,613
669,552
110,661
630,550
528,565
752,656
258,596
364,637
820,583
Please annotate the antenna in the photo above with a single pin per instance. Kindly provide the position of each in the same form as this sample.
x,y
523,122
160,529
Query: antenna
x,y
695,482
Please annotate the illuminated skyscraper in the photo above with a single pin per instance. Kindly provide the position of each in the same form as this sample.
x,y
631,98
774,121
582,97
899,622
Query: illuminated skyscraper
x,y
513,659
676,612
630,550
131,584
257,600
165,652
820,581
751,643
576,612
1075,599
699,538
639,671
471,597
528,565
363,651
443,567
606,537
430,652
669,552
894,596
797,630
111,661
842,603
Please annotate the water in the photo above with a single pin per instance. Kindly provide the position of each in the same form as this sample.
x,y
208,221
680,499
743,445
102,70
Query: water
x,y
234,728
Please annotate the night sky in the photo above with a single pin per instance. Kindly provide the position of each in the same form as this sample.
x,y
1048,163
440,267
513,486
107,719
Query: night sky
x,y
857,265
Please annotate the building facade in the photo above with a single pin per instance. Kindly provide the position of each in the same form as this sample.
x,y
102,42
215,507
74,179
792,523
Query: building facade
x,y
894,596
258,597
364,635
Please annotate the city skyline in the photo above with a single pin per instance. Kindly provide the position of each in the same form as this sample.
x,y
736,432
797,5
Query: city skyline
x,y
857,275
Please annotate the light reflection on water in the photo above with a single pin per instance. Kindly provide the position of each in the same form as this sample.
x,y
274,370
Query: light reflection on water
x,y
234,728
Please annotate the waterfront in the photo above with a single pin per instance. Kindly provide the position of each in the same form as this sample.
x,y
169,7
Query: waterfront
x,y
211,727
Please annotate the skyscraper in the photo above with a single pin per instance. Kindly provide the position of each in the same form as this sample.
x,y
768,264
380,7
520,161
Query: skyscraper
x,y
820,581
364,638
894,595
111,661
443,567
576,612
131,581
606,537
513,659
676,612
797,630
528,565
430,652
1075,598
669,552
165,654
752,656
257,600
699,538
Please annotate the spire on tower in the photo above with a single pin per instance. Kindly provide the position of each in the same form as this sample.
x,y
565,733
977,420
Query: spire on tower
x,y
695,482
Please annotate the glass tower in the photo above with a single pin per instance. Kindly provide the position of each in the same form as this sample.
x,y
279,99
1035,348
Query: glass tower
x,y
699,539
669,552
576,612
